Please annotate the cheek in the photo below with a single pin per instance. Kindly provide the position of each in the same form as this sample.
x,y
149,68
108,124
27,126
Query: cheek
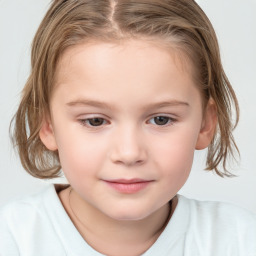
x,y
175,168
174,155
80,155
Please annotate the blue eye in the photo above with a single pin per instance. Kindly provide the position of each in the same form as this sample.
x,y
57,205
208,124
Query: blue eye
x,y
93,121
161,120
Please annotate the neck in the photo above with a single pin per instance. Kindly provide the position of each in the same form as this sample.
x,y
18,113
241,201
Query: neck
x,y
114,237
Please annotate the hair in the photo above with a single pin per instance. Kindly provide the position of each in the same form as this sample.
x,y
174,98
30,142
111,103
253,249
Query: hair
x,y
181,24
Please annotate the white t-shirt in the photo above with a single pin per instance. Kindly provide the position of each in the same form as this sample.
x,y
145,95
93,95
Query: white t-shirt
x,y
39,226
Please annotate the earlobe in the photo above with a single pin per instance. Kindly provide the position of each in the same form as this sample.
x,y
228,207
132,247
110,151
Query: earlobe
x,y
208,126
47,136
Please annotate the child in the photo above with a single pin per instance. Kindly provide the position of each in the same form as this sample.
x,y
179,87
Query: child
x,y
120,95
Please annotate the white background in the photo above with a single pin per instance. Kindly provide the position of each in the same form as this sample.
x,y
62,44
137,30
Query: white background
x,y
235,25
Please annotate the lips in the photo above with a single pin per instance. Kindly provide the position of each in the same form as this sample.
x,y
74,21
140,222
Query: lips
x,y
128,186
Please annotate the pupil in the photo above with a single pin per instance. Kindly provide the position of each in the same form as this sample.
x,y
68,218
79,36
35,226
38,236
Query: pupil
x,y
161,120
96,121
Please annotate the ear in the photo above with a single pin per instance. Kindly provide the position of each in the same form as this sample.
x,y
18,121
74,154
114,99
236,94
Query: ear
x,y
46,134
208,126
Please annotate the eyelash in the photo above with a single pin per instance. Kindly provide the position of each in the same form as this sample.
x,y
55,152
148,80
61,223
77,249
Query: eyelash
x,y
170,120
86,122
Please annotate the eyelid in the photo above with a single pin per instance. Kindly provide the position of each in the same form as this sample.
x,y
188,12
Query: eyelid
x,y
82,120
171,116
171,121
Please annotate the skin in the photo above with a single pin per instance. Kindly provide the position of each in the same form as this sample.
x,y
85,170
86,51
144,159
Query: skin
x,y
127,87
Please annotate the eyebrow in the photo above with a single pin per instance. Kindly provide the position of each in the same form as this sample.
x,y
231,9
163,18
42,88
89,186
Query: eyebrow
x,y
100,104
86,102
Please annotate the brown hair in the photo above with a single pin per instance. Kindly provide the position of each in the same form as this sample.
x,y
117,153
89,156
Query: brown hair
x,y
70,22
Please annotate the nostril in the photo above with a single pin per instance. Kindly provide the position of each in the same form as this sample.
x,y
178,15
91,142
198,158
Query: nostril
x,y
129,162
128,158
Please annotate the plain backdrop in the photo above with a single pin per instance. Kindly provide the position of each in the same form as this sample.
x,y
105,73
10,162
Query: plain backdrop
x,y
235,25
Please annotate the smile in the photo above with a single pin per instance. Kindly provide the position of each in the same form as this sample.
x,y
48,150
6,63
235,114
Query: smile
x,y
128,186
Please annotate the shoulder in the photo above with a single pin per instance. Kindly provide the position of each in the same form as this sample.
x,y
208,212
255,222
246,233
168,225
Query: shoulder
x,y
21,219
32,204
31,209
220,212
223,225
25,206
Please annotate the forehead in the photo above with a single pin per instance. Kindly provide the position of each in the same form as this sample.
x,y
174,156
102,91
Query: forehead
x,y
136,70
100,57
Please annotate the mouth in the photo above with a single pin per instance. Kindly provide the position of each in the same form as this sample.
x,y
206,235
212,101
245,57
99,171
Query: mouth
x,y
128,186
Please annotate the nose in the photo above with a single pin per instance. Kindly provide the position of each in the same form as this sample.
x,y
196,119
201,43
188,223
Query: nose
x,y
129,147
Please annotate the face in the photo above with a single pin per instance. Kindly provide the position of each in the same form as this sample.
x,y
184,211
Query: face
x,y
125,120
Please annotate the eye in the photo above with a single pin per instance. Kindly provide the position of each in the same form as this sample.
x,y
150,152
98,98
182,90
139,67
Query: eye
x,y
161,120
93,122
